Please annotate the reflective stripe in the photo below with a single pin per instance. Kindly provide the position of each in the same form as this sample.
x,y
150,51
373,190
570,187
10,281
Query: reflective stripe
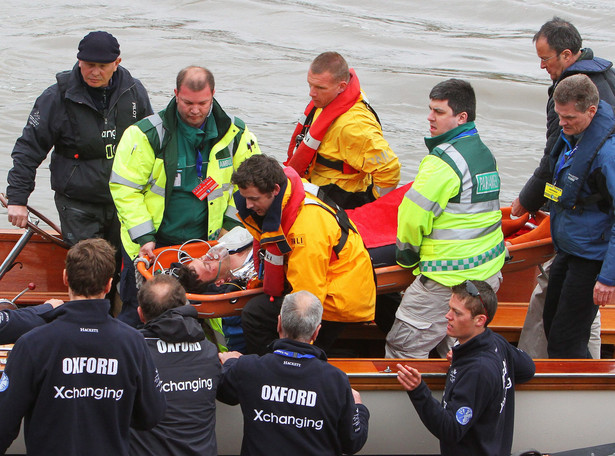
x,y
311,142
231,211
156,121
219,191
462,166
302,119
311,188
156,189
117,179
141,230
277,260
473,208
424,203
463,264
406,246
459,234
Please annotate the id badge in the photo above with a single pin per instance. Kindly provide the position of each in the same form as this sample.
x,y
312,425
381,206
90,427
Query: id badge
x,y
205,188
178,179
552,192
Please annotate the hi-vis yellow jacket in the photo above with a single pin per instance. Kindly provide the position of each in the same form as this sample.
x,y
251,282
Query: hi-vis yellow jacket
x,y
449,222
146,163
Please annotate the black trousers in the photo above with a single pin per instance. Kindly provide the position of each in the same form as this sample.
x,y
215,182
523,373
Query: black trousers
x,y
259,319
569,306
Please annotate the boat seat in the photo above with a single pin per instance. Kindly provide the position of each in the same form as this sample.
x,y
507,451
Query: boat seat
x,y
508,322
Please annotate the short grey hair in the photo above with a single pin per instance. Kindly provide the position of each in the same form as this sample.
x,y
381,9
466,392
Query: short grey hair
x,y
300,315
578,89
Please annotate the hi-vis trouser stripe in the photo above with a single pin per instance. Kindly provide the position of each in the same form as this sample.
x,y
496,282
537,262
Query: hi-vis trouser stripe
x,y
463,264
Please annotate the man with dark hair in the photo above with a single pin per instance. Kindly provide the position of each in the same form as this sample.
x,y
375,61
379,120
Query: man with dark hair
x,y
558,46
300,243
189,372
171,177
338,143
449,223
476,416
83,379
316,412
81,118
582,217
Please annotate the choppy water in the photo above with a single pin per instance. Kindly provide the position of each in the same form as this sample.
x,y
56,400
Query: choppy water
x,y
259,52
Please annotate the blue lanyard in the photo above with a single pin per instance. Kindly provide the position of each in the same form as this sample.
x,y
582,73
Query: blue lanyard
x,y
568,153
471,132
290,354
199,164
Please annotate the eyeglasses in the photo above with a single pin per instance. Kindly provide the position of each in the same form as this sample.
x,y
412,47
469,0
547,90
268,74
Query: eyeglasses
x,y
545,60
473,291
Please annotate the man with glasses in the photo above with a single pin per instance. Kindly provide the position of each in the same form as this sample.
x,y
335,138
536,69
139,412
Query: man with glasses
x,y
476,416
449,223
558,46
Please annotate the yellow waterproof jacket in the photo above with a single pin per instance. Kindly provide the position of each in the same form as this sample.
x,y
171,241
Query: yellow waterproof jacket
x,y
449,221
147,155
344,285
356,138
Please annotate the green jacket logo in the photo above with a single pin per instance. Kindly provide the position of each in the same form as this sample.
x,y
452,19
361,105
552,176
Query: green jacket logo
x,y
226,162
487,182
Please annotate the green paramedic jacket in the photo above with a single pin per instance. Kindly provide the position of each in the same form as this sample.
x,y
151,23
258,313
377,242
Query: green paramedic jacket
x,y
147,155
449,222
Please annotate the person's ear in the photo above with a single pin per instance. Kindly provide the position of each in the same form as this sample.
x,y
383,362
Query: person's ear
x,y
140,312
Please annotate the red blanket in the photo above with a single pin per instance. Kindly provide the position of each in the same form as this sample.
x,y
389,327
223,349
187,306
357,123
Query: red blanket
x,y
377,221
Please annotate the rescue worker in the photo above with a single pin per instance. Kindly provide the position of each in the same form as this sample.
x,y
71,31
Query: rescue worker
x,y
82,117
300,243
338,143
293,401
558,46
582,217
449,223
171,179
83,379
189,371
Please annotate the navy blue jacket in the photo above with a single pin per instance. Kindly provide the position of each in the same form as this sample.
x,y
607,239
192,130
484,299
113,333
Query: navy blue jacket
x,y
15,323
189,371
80,381
294,405
476,416
601,72
587,230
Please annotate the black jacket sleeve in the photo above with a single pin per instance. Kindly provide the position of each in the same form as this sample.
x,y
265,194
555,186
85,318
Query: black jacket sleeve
x,y
15,323
228,391
150,403
38,137
353,426
473,391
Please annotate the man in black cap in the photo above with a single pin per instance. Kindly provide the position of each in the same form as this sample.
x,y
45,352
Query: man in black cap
x,y
82,117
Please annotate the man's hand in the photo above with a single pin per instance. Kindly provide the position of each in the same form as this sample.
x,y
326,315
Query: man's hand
x,y
357,396
603,294
54,302
224,356
18,215
517,209
147,250
409,377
